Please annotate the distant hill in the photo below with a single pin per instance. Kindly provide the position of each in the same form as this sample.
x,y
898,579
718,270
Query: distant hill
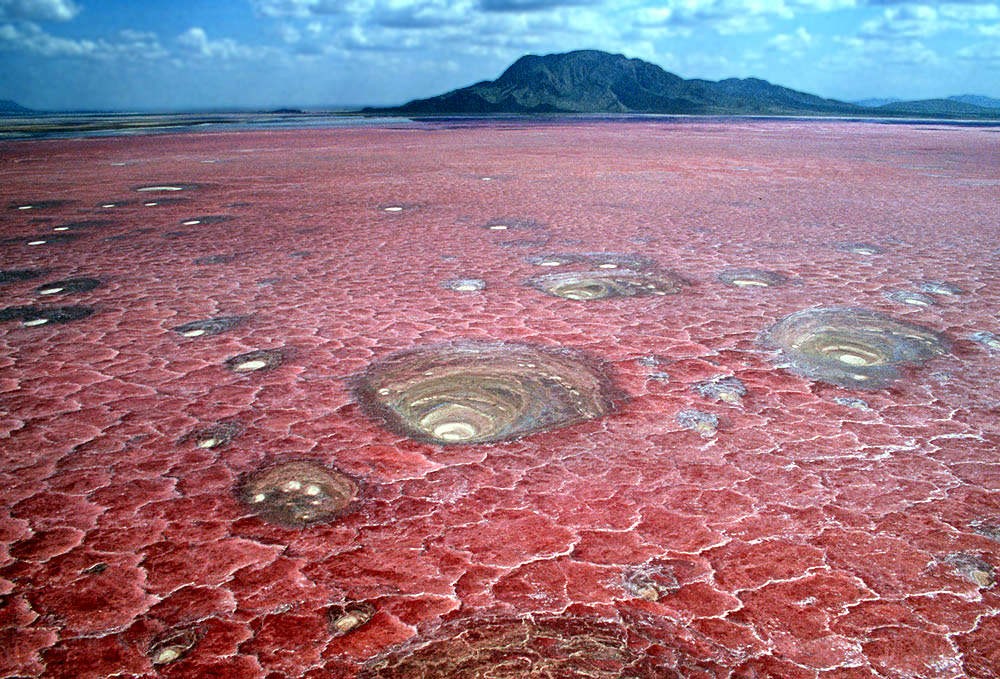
x,y
12,108
590,81
977,100
938,108
872,103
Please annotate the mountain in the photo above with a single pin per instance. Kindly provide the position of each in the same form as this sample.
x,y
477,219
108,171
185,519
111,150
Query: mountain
x,y
877,101
590,81
937,108
977,100
12,108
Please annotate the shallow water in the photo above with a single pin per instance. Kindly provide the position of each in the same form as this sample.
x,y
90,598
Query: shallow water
x,y
792,528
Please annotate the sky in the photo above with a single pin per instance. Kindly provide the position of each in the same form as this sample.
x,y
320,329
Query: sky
x,y
157,55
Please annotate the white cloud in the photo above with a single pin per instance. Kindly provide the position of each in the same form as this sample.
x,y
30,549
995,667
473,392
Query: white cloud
x,y
196,40
30,38
910,21
38,10
982,52
793,44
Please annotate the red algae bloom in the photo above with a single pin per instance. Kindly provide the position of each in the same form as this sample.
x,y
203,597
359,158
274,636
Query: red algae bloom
x,y
851,347
298,493
482,392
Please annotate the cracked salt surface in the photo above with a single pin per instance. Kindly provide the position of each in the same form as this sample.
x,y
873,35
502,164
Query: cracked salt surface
x,y
813,534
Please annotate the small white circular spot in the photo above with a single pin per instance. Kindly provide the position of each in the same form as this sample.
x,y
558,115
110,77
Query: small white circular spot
x,y
292,486
454,431
852,359
255,364
259,497
312,489
167,655
35,321
197,332
50,291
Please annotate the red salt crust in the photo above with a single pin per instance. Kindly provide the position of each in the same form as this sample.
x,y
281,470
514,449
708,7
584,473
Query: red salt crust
x,y
808,538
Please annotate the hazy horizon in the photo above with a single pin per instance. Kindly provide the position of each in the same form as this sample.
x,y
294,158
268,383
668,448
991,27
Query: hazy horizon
x,y
262,54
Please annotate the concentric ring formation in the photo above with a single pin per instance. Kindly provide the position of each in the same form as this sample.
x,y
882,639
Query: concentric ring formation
x,y
591,285
298,493
851,347
482,392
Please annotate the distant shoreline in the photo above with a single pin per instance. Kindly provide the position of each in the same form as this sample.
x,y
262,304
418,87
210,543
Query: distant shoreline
x,y
75,126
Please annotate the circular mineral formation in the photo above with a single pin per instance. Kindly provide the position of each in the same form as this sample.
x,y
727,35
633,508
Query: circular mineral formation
x,y
208,326
941,288
169,187
481,392
173,645
205,219
32,316
917,299
260,360
532,647
751,278
606,283
599,260
851,347
465,284
298,493
346,617
212,436
866,249
990,341
722,388
68,286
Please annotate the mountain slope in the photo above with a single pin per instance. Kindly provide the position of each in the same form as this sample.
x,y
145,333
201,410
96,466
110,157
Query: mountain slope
x,y
590,81
937,108
12,108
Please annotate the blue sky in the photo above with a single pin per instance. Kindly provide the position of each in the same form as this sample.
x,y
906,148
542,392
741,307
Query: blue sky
x,y
187,54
